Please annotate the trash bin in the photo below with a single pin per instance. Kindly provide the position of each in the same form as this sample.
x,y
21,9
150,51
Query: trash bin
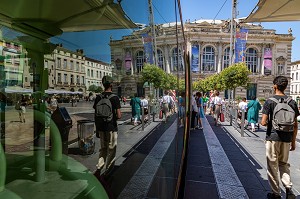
x,y
63,122
86,138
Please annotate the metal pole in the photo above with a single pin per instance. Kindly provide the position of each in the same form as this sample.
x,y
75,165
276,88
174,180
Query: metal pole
x,y
230,115
151,20
143,119
243,123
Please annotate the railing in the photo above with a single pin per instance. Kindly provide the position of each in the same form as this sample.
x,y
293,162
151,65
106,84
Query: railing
x,y
231,115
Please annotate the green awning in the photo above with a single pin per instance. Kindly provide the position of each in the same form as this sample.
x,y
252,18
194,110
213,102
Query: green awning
x,y
48,18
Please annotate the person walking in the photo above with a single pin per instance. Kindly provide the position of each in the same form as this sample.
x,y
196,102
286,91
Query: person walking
x,y
243,107
280,137
217,102
144,105
205,101
166,102
195,110
21,107
106,124
135,104
181,108
252,112
200,110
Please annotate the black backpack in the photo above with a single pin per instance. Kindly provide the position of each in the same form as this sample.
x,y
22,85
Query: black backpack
x,y
104,108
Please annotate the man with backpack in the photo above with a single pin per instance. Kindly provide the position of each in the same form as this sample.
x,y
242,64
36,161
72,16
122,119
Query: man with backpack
x,y
280,116
107,111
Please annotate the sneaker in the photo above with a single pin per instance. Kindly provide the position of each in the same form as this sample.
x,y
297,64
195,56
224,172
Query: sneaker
x,y
290,194
201,128
100,164
273,196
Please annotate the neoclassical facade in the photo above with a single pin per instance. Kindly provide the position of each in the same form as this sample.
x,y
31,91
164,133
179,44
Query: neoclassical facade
x,y
95,70
66,69
295,81
267,54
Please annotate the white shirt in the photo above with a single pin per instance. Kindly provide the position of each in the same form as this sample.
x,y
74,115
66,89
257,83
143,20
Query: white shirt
x,y
144,102
194,105
243,105
167,99
217,100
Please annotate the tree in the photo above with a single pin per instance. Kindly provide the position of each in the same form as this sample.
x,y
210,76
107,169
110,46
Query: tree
x,y
153,74
235,76
94,88
169,82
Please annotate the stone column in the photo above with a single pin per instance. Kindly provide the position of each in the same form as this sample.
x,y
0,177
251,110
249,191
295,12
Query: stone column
x,y
262,63
166,59
258,62
220,55
274,70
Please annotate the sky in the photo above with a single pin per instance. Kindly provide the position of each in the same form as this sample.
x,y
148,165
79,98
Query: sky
x,y
95,43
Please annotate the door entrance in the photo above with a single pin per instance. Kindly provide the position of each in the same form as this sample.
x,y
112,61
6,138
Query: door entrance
x,y
251,91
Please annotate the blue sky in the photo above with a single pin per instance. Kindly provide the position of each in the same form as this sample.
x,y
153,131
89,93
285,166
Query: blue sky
x,y
95,43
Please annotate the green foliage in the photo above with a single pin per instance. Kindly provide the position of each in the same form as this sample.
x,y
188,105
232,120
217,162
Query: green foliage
x,y
181,86
153,74
230,78
96,89
169,82
235,76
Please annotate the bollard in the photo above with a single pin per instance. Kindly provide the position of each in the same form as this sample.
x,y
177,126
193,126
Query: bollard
x,y
236,119
143,118
243,123
230,115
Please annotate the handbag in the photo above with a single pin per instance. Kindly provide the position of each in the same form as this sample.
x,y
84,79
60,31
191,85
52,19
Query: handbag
x,y
160,114
222,119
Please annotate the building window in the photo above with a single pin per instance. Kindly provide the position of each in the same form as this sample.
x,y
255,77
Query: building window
x,y
65,78
58,77
26,79
46,64
92,73
71,65
77,66
292,76
174,60
88,72
280,68
160,58
251,60
97,74
208,59
59,63
65,64
78,79
72,79
82,80
140,59
296,75
296,88
226,58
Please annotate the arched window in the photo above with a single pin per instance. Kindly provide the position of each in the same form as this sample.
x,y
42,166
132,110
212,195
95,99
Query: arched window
x,y
226,58
174,60
208,59
251,60
139,61
297,76
160,58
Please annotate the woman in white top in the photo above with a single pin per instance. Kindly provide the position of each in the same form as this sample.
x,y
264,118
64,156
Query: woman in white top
x,y
218,107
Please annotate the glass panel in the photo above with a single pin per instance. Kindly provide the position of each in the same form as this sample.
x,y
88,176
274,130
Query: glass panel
x,y
53,67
